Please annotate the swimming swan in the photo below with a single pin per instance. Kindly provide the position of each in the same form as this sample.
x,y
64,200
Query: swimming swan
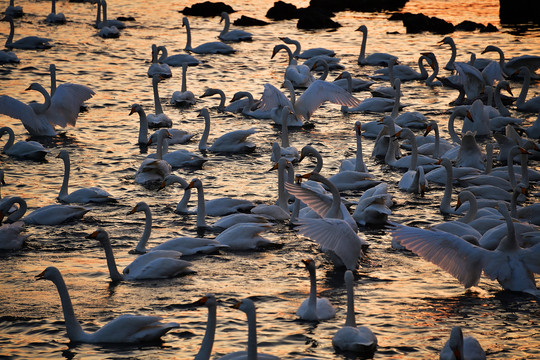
x,y
26,43
232,142
184,97
458,347
314,308
215,47
28,150
232,35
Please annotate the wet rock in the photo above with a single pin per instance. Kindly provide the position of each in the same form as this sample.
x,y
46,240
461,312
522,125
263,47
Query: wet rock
x,y
316,18
282,11
207,9
249,21
519,11
417,23
472,26
489,28
359,5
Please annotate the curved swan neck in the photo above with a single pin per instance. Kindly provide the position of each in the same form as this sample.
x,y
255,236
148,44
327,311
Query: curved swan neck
x,y
509,242
73,327
473,207
335,210
141,245
445,202
185,22
143,127
313,152
41,108
111,262
450,64
9,39
350,320
289,86
435,67
326,69
451,130
498,103
65,182
222,98
423,71
157,103
204,138
11,137
208,341
225,17
17,214
182,205
525,87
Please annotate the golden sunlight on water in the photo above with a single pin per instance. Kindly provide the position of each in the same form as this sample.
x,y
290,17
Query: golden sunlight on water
x,y
410,304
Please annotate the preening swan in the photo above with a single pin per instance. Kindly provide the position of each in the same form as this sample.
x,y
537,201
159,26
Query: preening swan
x,y
39,119
53,17
314,308
157,68
159,119
352,338
215,47
375,59
184,97
509,264
373,206
26,43
232,142
48,215
10,235
8,57
157,264
27,150
232,35
250,108
458,347
84,195
248,307
299,75
177,59
123,329
185,245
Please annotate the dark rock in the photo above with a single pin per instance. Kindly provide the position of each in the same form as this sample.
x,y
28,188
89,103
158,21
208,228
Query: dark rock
x,y
207,9
249,21
468,25
316,18
399,16
519,11
282,11
375,5
489,28
417,23
329,5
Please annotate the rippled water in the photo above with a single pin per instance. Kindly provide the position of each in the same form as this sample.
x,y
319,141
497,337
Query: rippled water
x,y
409,304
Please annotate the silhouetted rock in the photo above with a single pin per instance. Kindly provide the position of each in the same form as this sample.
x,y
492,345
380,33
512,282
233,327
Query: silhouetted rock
x,y
249,21
417,23
359,5
519,11
489,28
468,25
207,9
316,18
282,11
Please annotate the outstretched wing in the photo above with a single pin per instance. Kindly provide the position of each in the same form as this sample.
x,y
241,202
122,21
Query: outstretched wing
x,y
319,92
272,97
66,103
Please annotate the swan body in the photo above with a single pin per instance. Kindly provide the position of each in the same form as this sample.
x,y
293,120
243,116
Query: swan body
x,y
373,207
8,57
10,236
48,215
232,35
27,150
157,264
410,161
531,105
111,23
245,236
232,142
153,171
356,164
84,195
109,32
299,75
54,17
248,307
177,137
185,245
159,119
181,158
183,97
215,47
26,43
379,104
121,330
347,82
62,109
375,59
352,338
508,68
509,264
469,154
436,148
314,308
306,54
234,107
403,72
458,347
157,68
13,11
177,59
250,109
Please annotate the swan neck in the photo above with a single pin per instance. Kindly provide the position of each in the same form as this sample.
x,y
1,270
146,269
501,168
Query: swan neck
x,y
489,158
363,47
204,138
350,320
510,165
141,246
324,74
65,182
498,103
104,9
201,207
335,210
319,164
312,302
184,81
188,35
73,327
157,103
226,26
445,202
159,145
395,108
111,262
41,108
414,153
282,193
222,99
450,64
53,7
437,144
143,127
252,334
524,89
473,209
9,39
509,242
524,170
390,156
98,16
182,206
284,128
17,214
52,69
423,71
292,94
208,341
11,137
359,164
451,130
297,49
431,78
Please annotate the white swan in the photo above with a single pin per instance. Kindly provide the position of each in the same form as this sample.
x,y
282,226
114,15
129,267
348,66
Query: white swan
x,y
185,245
232,142
28,150
181,158
40,119
250,108
177,59
25,43
245,236
352,338
177,136
531,105
215,47
314,308
357,163
285,150
123,329
53,17
10,236
434,64
375,59
438,147
509,264
157,68
403,72
84,195
205,351
478,120
471,79
373,207
470,154
234,107
248,307
184,97
112,23
458,347
276,101
407,162
232,35
532,62
47,215
461,226
299,75
306,54
8,57
157,264
152,171
347,82
159,119
379,104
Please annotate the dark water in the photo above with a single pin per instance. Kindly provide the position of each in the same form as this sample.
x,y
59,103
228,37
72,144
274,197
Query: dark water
x,y
409,304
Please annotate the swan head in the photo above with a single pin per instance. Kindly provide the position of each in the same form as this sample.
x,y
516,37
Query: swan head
x,y
224,16
362,28
139,207
63,154
456,342
490,48
209,92
195,183
358,127
204,112
171,179
447,40
185,21
244,305
208,300
135,108
48,274
344,75
34,86
100,235
309,263
504,85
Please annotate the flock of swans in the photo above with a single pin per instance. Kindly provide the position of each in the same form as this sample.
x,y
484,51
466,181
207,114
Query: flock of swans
x,y
497,233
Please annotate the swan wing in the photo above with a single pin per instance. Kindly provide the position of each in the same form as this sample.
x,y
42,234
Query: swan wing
x,y
461,259
156,264
530,257
132,328
67,101
318,202
34,123
244,236
234,137
272,97
335,235
319,92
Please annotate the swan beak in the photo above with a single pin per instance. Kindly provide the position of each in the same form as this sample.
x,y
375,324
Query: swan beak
x,y
458,204
28,88
41,275
132,110
469,116
190,185
509,89
428,129
201,301
523,151
381,120
162,186
307,261
523,190
273,167
132,211
93,235
340,76
237,305
398,134
306,176
298,179
422,189
1,216
439,162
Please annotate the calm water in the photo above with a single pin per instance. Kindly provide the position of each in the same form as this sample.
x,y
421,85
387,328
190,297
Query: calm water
x,y
409,304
